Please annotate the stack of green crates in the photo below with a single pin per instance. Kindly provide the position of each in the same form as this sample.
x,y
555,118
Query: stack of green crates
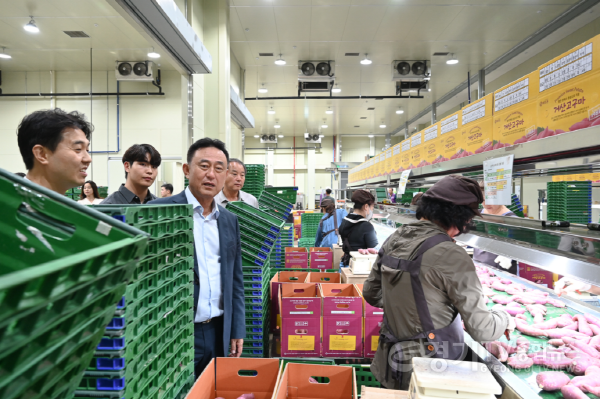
x,y
71,195
516,206
275,205
62,271
570,201
381,194
306,242
103,191
287,194
148,347
259,231
255,179
285,240
408,195
310,224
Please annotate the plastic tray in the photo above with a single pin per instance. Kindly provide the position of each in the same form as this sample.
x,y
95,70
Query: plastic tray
x,y
139,214
158,262
156,246
245,211
145,268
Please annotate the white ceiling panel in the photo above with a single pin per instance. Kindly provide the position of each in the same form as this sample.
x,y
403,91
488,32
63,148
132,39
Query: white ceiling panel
x,y
260,21
293,23
362,23
328,23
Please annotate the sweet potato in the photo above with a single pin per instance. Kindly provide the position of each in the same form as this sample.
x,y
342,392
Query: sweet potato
x,y
498,286
551,380
247,396
547,325
592,319
501,299
595,329
557,361
564,320
520,361
581,362
593,390
583,326
580,125
556,341
591,380
562,332
585,348
592,370
556,303
572,326
496,349
595,342
572,392
529,330
525,300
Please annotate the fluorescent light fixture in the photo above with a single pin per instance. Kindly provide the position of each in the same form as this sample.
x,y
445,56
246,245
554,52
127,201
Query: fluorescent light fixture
x,y
400,111
371,136
382,126
31,26
324,126
277,126
256,136
280,136
321,135
336,89
366,60
153,54
329,111
4,55
452,60
271,111
280,61
263,89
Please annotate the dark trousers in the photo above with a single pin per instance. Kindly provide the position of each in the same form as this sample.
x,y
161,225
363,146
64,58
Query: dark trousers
x,y
208,343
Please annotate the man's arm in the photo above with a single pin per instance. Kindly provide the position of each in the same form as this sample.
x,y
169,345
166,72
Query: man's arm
x,y
319,237
238,317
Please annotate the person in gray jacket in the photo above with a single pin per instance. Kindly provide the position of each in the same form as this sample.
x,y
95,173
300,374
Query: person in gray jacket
x,y
427,286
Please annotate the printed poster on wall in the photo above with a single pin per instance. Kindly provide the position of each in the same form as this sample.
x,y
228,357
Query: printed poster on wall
x,y
497,177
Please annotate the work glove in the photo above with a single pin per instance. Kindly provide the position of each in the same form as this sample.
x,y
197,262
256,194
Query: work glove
x,y
503,262
511,324
568,285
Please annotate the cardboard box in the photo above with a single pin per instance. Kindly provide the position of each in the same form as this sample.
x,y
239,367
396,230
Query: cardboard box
x,y
536,275
431,141
451,144
382,164
404,154
515,112
296,258
342,320
396,158
416,153
569,97
294,382
279,278
338,252
350,278
321,258
323,278
301,326
221,378
373,320
477,126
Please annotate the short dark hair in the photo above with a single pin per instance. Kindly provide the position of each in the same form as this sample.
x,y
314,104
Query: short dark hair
x,y
45,127
207,142
444,213
139,153
361,198
328,191
94,189
235,160
168,187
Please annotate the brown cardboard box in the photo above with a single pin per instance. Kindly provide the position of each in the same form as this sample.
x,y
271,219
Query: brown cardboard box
x,y
338,252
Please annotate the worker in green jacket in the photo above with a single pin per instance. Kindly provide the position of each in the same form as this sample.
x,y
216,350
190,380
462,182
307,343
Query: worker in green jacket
x,y
427,286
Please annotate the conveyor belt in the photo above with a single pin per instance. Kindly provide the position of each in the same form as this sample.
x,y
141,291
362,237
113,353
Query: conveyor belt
x,y
521,383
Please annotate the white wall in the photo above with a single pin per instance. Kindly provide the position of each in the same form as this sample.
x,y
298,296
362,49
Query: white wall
x,y
156,120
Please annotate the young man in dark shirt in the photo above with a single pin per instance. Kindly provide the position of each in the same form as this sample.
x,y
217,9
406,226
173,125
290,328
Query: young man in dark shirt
x,y
141,162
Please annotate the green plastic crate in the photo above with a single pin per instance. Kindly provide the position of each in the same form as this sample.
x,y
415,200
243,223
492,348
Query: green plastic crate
x,y
136,214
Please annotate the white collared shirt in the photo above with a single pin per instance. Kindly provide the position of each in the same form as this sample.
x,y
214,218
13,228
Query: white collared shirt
x,y
207,246
243,196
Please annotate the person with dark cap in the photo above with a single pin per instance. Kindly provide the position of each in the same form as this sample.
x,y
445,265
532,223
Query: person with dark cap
x,y
328,233
428,287
356,230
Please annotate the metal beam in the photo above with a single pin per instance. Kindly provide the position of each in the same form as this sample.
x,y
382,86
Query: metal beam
x,y
481,85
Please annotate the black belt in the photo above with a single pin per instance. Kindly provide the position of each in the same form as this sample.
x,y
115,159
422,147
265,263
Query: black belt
x,y
209,320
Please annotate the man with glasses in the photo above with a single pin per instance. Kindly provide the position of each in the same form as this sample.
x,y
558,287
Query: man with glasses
x,y
141,162
218,284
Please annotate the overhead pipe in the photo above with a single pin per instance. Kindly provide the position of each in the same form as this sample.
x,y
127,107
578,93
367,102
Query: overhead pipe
x,y
285,148
79,94
331,98
118,128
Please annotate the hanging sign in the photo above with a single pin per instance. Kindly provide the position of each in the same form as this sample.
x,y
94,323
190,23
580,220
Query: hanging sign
x,y
497,177
403,181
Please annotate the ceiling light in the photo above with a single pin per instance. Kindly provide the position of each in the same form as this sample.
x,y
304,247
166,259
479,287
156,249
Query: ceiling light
x,y
4,55
256,136
263,89
280,136
366,60
336,89
153,54
399,111
329,111
321,135
277,126
371,136
382,126
452,60
324,126
280,61
271,111
31,26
